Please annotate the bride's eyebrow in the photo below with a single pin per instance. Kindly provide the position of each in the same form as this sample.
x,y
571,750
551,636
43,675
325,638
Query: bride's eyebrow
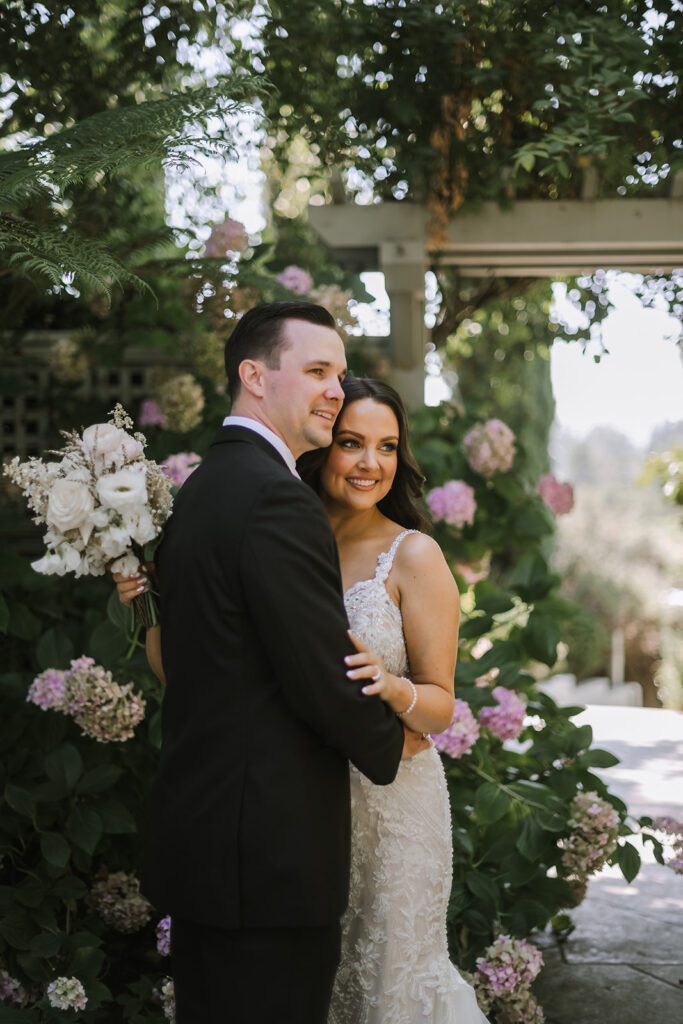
x,y
345,430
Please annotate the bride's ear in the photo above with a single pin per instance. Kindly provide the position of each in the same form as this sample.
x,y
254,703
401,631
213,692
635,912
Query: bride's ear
x,y
252,377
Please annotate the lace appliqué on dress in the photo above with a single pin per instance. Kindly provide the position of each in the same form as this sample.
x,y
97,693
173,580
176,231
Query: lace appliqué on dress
x,y
394,967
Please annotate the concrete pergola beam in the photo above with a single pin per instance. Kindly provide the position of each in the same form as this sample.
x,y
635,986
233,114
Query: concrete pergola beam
x,y
533,238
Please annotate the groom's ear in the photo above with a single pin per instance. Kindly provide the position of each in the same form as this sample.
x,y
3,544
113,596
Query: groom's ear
x,y
251,373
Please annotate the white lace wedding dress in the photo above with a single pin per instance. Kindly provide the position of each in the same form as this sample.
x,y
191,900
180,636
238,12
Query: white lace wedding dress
x,y
394,966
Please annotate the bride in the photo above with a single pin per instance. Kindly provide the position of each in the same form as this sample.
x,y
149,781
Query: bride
x,y
403,609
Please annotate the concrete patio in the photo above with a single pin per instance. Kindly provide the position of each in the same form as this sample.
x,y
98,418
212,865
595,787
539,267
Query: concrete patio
x,y
624,962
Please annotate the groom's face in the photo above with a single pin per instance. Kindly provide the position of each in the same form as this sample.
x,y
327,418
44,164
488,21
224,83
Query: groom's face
x,y
303,396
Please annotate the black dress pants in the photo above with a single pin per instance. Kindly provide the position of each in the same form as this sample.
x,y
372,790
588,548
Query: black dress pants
x,y
253,975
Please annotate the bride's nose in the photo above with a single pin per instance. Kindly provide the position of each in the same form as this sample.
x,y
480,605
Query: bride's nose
x,y
368,459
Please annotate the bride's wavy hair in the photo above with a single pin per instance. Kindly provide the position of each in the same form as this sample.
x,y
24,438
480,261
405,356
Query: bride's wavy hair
x,y
399,504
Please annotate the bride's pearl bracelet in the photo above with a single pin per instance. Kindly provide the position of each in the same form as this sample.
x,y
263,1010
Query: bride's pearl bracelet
x,y
413,702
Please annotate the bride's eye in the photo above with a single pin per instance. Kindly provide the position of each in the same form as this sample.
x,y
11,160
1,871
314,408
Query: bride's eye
x,y
348,442
390,447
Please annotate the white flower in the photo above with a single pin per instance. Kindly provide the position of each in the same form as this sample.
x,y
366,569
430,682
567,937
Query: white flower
x,y
123,490
128,565
114,541
139,524
108,444
69,505
57,563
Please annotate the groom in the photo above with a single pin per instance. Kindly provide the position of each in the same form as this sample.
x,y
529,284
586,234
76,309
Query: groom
x,y
249,830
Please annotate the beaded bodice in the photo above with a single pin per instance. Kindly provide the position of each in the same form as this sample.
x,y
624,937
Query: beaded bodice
x,y
373,616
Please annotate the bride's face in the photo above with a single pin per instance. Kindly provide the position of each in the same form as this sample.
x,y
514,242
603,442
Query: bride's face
x,y
362,461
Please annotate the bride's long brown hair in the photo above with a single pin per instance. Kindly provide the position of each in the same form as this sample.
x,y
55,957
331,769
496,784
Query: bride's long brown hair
x,y
399,504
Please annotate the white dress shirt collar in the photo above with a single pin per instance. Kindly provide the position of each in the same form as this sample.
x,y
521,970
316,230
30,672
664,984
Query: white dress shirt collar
x,y
269,435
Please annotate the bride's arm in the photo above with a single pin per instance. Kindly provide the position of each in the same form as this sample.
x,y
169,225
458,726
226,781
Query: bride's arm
x,y
430,607
129,587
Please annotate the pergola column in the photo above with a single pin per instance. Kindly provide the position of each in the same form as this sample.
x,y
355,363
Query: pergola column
x,y
403,265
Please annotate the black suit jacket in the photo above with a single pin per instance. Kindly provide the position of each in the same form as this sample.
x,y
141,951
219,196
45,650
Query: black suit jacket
x,y
249,820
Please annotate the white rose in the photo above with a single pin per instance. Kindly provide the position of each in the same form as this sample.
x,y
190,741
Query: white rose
x,y
69,505
123,490
108,444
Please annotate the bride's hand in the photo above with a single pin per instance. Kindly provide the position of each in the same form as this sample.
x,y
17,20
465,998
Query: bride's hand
x,y
130,587
369,665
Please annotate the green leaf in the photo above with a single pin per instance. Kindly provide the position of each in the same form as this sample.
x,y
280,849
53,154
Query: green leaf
x,y
540,637
532,839
463,839
118,614
46,944
577,739
23,623
20,800
69,888
54,649
86,964
628,859
526,160
4,614
102,776
476,922
64,765
596,758
107,643
475,626
483,887
490,598
55,849
536,793
490,803
84,828
116,818
17,929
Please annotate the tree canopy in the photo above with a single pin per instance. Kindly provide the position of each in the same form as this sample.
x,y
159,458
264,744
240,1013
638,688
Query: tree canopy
x,y
466,100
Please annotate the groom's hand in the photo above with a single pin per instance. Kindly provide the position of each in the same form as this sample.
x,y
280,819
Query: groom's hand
x,y
413,743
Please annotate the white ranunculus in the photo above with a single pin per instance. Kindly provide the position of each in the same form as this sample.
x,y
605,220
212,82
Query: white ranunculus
x,y
128,565
109,444
139,524
126,489
69,505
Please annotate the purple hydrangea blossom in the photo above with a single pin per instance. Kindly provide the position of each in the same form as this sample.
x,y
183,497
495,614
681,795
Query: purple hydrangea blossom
x,y
163,931
228,236
461,735
490,447
454,503
509,964
505,720
151,415
296,279
179,466
48,690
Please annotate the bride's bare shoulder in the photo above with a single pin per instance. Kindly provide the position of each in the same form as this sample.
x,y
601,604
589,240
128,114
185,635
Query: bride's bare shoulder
x,y
419,554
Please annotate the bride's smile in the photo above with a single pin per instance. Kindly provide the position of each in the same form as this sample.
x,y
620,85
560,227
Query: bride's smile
x,y
362,461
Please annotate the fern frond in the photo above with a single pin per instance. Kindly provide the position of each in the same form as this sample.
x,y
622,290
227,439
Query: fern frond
x,y
56,255
171,130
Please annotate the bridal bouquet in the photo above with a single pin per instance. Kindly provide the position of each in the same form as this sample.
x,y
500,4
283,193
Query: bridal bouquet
x,y
103,502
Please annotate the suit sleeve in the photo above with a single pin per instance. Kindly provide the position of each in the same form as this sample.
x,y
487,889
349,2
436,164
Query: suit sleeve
x,y
291,584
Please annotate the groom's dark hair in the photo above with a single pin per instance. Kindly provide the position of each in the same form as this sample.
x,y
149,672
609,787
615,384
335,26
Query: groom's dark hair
x,y
259,335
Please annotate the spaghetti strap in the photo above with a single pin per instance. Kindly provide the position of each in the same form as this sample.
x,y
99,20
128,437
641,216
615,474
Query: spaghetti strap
x,y
386,559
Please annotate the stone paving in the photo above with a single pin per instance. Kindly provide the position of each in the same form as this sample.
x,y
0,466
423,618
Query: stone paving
x,y
624,962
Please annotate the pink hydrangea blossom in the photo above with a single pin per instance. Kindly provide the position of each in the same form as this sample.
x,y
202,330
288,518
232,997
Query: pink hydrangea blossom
x,y
297,280
48,690
179,466
668,824
673,831
12,991
454,503
151,415
163,931
490,447
228,236
461,735
509,964
506,719
594,825
474,571
557,496
119,902
66,994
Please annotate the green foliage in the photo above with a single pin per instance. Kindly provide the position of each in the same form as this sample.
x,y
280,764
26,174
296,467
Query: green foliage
x,y
464,102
